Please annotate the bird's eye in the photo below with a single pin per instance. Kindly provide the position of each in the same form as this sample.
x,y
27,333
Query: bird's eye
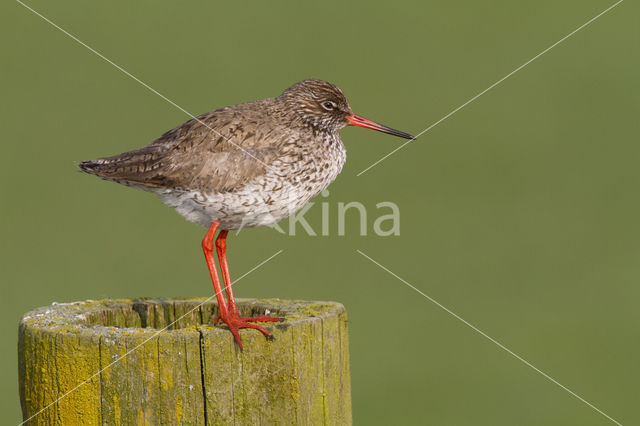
x,y
328,105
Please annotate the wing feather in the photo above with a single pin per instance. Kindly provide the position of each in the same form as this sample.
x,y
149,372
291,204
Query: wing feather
x,y
220,151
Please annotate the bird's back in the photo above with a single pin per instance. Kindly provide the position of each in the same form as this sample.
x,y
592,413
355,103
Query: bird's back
x,y
219,150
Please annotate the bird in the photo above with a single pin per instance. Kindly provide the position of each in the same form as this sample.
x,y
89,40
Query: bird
x,y
246,165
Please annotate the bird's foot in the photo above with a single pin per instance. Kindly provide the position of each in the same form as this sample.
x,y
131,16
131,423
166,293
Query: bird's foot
x,y
235,322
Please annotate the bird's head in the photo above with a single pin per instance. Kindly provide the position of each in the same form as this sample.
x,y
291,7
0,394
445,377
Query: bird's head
x,y
324,107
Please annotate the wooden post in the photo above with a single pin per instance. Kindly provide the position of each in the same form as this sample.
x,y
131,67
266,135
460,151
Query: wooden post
x,y
151,361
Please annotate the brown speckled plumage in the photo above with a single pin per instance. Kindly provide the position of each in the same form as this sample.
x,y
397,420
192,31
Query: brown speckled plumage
x,y
245,165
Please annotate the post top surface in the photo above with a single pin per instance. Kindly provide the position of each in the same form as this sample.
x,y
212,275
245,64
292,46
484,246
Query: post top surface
x,y
173,315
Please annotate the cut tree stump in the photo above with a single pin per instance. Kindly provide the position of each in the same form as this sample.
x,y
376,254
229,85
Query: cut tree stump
x,y
161,361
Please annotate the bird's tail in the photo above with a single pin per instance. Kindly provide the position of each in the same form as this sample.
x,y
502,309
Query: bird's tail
x,y
92,166
139,166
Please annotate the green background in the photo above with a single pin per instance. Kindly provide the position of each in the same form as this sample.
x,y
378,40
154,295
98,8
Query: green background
x,y
519,213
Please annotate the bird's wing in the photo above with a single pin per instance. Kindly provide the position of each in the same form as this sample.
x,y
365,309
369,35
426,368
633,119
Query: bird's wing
x,y
219,151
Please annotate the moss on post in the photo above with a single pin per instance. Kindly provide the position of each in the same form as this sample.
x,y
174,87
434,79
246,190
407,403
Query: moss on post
x,y
150,361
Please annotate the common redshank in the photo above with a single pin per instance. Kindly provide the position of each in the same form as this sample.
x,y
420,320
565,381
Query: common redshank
x,y
241,166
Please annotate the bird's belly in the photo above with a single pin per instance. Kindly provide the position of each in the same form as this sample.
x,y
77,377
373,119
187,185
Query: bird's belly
x,y
285,187
264,201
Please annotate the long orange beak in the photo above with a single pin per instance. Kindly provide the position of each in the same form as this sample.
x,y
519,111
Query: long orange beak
x,y
356,120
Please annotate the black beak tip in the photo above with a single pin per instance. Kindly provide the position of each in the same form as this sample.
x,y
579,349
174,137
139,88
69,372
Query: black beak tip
x,y
405,135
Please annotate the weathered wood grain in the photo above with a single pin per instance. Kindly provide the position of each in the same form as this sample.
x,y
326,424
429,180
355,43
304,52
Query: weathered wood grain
x,y
161,361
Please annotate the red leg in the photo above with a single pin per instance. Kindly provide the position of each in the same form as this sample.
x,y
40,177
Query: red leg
x,y
221,249
207,248
233,320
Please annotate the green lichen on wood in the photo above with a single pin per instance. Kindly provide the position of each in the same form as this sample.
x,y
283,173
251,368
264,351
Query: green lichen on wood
x,y
163,362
